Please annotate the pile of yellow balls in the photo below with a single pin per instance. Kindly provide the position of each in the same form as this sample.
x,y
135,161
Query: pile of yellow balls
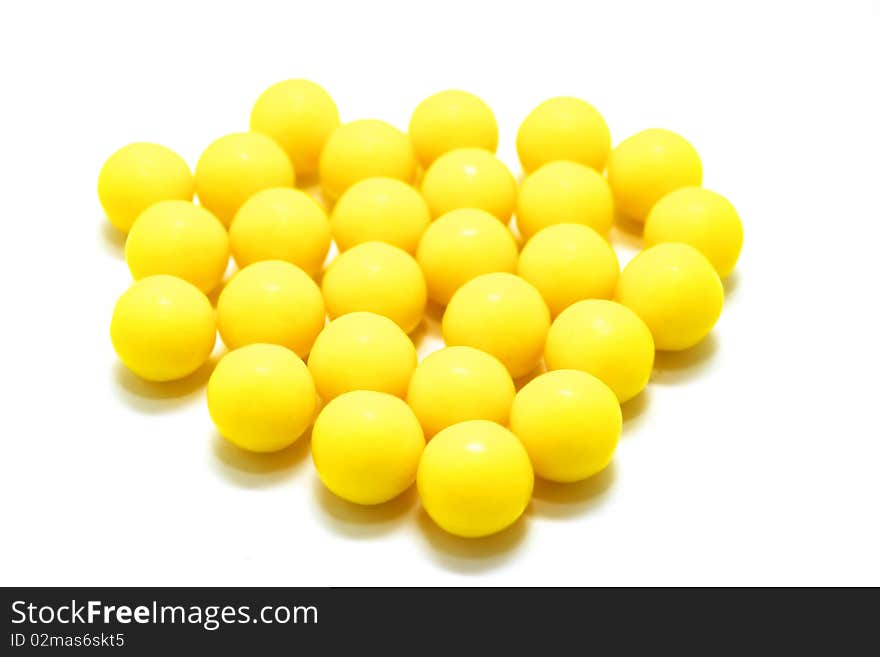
x,y
419,217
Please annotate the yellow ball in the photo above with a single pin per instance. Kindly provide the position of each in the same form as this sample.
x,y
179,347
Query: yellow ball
x,y
647,166
236,167
139,175
300,116
449,120
461,245
380,210
564,192
457,384
378,278
676,292
163,328
567,263
563,129
475,479
705,220
180,239
281,224
502,315
365,149
605,339
273,302
569,422
261,397
362,351
366,446
469,178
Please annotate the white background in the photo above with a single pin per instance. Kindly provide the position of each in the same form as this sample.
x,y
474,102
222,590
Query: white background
x,y
753,459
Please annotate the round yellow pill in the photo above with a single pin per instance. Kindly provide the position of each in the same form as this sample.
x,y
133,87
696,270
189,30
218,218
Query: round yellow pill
x,y
567,263
459,383
300,116
699,217
569,422
236,167
461,245
181,239
362,351
502,315
563,129
139,175
261,397
366,446
469,178
163,328
380,210
365,149
605,339
645,167
378,278
676,292
273,302
449,120
475,478
281,224
564,192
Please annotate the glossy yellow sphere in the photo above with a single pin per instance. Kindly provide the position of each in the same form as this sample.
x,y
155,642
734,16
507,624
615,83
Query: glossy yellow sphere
x,y
178,238
676,292
461,245
469,178
567,263
605,339
271,302
300,116
456,384
261,397
563,129
475,479
564,192
378,278
699,217
365,149
502,315
366,446
449,120
237,166
163,328
647,166
281,224
380,210
362,351
569,422
139,175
